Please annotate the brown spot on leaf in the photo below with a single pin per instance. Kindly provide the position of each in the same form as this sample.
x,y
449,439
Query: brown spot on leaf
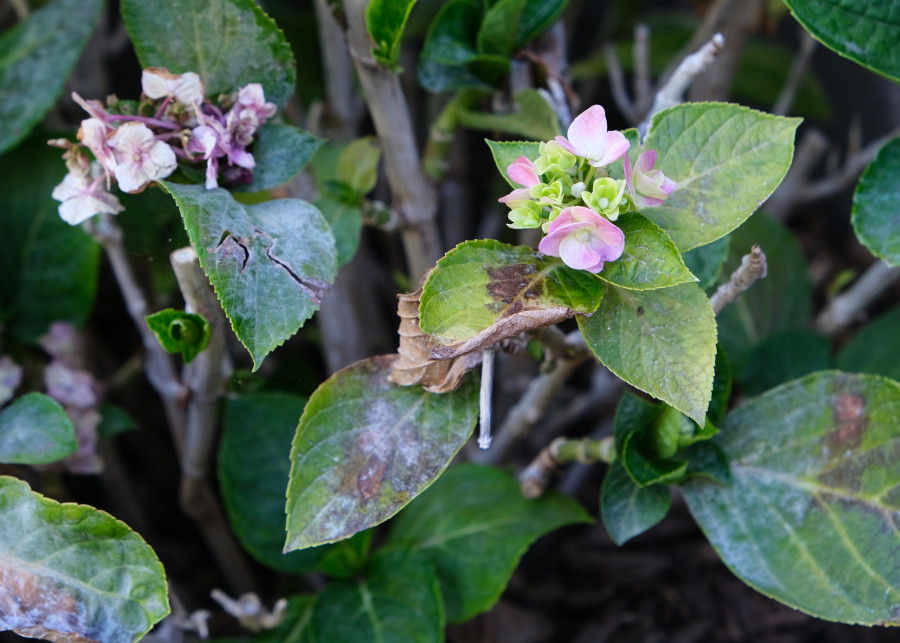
x,y
38,607
507,282
371,476
230,248
640,311
849,417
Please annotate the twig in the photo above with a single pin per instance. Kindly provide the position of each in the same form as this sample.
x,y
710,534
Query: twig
x,y
617,83
795,74
249,611
21,9
414,197
641,80
672,92
340,87
846,307
487,387
159,368
753,266
205,379
810,150
535,476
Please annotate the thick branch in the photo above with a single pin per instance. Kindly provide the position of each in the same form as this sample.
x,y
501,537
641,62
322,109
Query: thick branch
x,y
535,477
753,266
846,307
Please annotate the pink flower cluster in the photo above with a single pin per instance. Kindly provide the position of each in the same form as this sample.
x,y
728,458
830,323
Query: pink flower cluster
x,y
568,193
138,149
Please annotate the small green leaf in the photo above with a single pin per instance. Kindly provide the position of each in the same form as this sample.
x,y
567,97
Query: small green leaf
x,y
230,43
36,58
280,153
365,447
875,348
811,519
876,216
35,429
705,262
650,259
398,600
474,525
782,301
660,341
629,510
867,34
180,332
484,290
385,20
75,573
253,473
346,222
533,118
113,421
506,152
270,263
646,471
634,413
357,166
49,267
726,159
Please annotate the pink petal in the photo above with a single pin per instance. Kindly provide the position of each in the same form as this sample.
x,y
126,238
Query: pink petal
x,y
628,175
587,132
522,194
614,145
668,185
645,161
577,254
567,145
648,187
549,245
608,240
523,174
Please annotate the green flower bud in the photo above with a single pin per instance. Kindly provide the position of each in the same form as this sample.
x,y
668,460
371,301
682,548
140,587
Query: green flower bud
x,y
605,197
554,156
525,214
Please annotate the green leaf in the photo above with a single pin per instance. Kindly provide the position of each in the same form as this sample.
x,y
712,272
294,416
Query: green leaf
x,y
280,153
398,600
726,159
533,118
385,20
36,58
705,262
646,471
722,382
497,33
346,222
650,259
781,357
180,332
484,290
49,267
474,525
629,510
875,348
74,571
230,43
357,166
113,421
365,447
347,558
270,263
811,519
782,301
35,429
506,152
253,474
866,34
633,414
660,341
876,216
708,460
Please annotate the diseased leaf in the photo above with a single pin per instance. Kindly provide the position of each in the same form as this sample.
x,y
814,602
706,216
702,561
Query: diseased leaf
x,y
49,267
74,573
36,58
385,20
365,447
506,152
865,33
876,215
483,291
398,600
875,348
650,259
35,429
710,150
629,510
474,525
253,474
660,341
280,153
270,263
180,332
230,43
811,519
533,117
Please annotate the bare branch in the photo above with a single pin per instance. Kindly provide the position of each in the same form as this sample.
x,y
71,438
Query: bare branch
x,y
641,80
487,388
753,266
617,83
535,476
795,74
846,307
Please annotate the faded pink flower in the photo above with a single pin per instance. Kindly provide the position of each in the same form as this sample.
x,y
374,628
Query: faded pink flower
x,y
648,187
82,198
95,134
10,378
140,158
70,386
93,107
186,88
583,239
522,172
587,137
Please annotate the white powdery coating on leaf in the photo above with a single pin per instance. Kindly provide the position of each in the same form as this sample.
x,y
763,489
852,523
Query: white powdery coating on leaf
x,y
30,602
